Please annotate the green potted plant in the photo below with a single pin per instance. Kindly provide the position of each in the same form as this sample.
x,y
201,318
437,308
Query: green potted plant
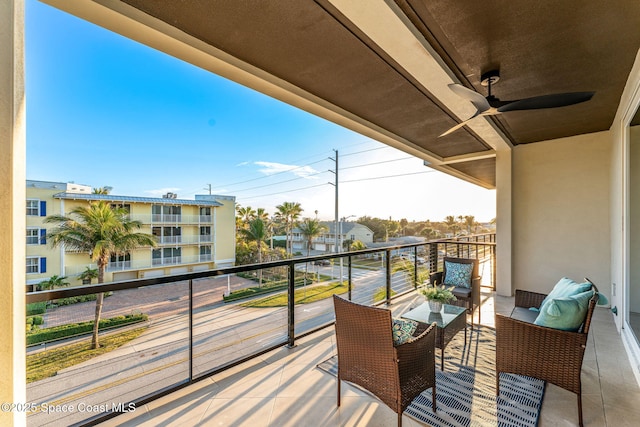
x,y
436,296
87,275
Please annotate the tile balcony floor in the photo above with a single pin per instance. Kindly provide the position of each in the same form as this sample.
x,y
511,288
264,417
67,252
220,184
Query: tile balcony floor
x,y
283,388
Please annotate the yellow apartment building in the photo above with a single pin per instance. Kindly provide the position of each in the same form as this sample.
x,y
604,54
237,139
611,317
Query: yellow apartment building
x,y
191,235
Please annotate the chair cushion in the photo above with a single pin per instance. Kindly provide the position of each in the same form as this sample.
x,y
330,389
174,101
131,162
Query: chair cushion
x,y
524,314
460,292
403,330
565,288
457,274
565,313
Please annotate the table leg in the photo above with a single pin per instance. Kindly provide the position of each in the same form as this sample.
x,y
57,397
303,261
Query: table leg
x,y
442,358
465,334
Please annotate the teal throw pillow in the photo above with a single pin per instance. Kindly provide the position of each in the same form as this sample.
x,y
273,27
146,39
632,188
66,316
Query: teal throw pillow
x,y
457,274
564,313
565,288
403,330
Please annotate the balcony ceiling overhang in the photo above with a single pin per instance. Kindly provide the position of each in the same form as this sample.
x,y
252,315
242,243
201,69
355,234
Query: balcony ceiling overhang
x,y
382,67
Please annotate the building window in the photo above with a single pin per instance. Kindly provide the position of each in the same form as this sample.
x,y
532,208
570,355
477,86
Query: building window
x,y
166,256
167,234
36,265
205,234
119,262
205,253
33,236
205,214
33,207
163,213
125,206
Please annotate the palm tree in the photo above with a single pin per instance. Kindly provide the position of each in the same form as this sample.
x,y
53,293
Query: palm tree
x,y
88,275
262,214
310,229
100,231
245,214
101,190
470,222
452,224
53,282
257,231
288,213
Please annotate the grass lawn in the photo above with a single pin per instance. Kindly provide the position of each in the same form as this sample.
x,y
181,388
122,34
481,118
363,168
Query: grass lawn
x,y
302,295
47,363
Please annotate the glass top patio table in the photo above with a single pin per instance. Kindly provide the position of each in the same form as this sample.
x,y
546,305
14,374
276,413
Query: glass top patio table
x,y
443,318
449,321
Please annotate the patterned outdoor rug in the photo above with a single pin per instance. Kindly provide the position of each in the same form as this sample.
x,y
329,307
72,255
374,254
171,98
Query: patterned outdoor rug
x,y
465,391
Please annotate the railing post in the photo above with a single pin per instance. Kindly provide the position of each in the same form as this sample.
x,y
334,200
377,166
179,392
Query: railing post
x,y
415,267
190,329
291,306
388,275
493,267
349,277
433,257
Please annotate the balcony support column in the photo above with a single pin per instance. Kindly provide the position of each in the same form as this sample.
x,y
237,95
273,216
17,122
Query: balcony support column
x,y
12,198
504,221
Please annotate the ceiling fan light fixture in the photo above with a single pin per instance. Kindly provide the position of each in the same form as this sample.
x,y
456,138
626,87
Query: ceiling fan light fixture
x,y
490,78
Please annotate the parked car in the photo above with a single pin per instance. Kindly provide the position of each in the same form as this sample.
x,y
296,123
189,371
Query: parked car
x,y
322,262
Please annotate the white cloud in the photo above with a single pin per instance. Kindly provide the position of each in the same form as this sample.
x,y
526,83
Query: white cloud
x,y
270,168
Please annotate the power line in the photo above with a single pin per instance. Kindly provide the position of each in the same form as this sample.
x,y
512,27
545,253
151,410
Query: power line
x,y
388,176
280,182
342,182
378,163
273,174
286,191
365,151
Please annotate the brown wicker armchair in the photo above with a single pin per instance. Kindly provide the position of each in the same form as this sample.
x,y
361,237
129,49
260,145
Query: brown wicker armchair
x,y
548,354
465,297
367,356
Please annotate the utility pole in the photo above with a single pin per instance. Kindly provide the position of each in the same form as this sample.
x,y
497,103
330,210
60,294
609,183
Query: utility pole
x,y
335,234
209,187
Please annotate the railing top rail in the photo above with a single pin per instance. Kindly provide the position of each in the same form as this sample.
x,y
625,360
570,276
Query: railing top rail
x,y
32,297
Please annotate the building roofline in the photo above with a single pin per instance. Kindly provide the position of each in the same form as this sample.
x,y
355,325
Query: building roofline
x,y
154,200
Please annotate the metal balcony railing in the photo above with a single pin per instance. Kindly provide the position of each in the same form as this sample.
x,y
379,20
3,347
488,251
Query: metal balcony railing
x,y
202,323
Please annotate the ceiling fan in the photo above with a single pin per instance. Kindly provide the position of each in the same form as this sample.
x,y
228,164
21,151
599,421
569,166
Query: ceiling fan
x,y
491,106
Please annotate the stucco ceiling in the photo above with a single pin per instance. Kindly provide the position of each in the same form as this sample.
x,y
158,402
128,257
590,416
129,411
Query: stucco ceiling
x,y
365,61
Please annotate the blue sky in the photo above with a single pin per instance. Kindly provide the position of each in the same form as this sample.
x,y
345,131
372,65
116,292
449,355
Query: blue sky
x,y
103,110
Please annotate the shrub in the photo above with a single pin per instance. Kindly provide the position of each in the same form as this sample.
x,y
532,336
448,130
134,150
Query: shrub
x,y
73,329
36,308
78,299
35,320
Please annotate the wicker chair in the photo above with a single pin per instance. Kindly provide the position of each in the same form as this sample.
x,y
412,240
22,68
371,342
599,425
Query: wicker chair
x,y
465,297
548,354
367,356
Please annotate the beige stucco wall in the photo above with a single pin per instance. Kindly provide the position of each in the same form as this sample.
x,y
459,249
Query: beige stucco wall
x,y
224,228
561,211
12,196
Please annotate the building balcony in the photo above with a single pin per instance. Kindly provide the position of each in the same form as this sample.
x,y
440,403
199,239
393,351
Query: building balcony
x,y
173,219
233,363
285,388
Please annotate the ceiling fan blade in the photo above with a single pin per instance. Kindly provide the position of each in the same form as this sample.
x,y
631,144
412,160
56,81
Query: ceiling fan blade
x,y
491,112
479,101
546,101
